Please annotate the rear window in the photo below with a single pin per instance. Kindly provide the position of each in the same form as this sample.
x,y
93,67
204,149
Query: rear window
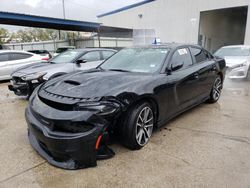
x,y
19,56
199,55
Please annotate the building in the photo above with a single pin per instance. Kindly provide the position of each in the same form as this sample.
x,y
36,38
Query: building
x,y
210,23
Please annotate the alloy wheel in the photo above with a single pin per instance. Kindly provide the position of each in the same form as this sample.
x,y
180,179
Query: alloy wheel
x,y
217,88
144,126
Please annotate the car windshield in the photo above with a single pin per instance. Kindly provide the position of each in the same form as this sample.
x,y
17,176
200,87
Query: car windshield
x,y
66,57
233,51
145,60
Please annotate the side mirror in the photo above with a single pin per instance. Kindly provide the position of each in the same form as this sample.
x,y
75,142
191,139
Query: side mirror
x,y
79,61
177,66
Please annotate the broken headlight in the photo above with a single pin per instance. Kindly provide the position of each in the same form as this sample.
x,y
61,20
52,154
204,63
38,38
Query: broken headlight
x,y
34,76
101,108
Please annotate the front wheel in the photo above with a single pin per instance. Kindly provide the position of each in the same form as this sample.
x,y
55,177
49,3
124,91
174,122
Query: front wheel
x,y
216,90
138,126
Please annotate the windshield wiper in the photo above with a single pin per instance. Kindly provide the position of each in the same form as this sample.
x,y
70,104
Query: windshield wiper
x,y
120,70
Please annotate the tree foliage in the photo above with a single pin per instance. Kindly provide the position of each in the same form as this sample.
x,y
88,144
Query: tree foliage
x,y
3,34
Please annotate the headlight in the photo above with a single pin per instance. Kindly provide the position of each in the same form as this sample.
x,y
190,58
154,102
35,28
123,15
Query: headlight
x,y
101,108
33,76
243,64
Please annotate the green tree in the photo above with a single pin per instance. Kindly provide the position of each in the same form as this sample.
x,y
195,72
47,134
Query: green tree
x,y
3,34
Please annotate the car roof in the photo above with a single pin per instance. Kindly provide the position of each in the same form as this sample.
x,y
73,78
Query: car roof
x,y
92,49
236,46
167,45
14,51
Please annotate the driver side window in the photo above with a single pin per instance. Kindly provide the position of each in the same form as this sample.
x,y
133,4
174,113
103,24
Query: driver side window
x,y
181,58
91,56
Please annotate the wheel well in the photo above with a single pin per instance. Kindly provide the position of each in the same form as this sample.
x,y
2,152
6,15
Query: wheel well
x,y
221,75
151,101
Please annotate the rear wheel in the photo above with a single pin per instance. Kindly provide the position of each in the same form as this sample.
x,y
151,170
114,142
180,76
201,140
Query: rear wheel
x,y
216,90
138,126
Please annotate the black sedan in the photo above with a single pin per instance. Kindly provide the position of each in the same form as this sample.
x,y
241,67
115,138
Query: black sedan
x,y
131,93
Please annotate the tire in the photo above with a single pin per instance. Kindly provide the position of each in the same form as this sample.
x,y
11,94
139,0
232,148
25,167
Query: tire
x,y
248,74
216,90
138,126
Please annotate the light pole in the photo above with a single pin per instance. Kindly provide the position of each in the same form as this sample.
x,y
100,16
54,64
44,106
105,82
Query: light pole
x,y
63,17
63,9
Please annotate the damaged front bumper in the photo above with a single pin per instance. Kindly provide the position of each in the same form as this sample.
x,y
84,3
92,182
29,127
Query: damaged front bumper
x,y
21,87
52,135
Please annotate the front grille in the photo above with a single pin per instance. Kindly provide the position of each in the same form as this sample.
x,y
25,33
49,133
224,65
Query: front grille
x,y
60,102
63,125
77,127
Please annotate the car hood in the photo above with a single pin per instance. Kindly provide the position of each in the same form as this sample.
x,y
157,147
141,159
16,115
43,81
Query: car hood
x,y
96,83
39,67
234,61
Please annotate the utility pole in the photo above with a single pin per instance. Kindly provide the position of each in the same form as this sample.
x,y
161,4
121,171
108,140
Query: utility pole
x,y
63,6
63,9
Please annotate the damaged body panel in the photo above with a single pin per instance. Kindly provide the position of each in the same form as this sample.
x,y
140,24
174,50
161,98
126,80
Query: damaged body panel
x,y
70,117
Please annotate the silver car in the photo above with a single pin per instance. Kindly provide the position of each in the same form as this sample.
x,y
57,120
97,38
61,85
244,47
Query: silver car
x,y
25,79
237,59
13,59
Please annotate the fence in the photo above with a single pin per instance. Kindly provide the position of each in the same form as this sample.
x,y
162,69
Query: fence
x,y
51,46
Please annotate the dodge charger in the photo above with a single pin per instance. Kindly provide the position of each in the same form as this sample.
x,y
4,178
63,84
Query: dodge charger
x,y
71,118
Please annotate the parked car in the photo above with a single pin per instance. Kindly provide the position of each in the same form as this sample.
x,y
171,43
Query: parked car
x,y
12,59
25,79
237,60
63,49
135,90
44,53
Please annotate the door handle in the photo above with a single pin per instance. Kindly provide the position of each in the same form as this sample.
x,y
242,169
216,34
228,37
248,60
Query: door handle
x,y
196,76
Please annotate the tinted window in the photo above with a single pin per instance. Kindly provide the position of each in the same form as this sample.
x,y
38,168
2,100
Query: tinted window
x,y
107,54
199,54
18,56
92,56
4,57
66,57
181,56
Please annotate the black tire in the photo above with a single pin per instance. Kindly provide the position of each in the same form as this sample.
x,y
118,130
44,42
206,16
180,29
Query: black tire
x,y
130,129
248,74
216,90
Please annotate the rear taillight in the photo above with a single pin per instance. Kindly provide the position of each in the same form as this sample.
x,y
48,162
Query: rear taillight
x,y
45,58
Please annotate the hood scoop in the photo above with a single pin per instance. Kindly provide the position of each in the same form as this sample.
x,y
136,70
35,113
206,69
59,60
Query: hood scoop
x,y
72,82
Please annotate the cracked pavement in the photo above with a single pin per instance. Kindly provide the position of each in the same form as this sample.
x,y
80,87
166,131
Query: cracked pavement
x,y
208,146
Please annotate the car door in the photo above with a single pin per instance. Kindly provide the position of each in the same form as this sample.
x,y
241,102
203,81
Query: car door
x,y
5,70
205,67
93,59
182,81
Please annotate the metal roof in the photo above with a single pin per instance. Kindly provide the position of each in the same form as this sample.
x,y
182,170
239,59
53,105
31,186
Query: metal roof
x,y
125,8
46,22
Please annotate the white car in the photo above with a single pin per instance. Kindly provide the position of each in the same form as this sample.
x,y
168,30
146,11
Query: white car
x,y
237,59
10,60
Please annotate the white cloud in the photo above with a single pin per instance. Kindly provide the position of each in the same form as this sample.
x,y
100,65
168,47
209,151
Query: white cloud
x,y
32,3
